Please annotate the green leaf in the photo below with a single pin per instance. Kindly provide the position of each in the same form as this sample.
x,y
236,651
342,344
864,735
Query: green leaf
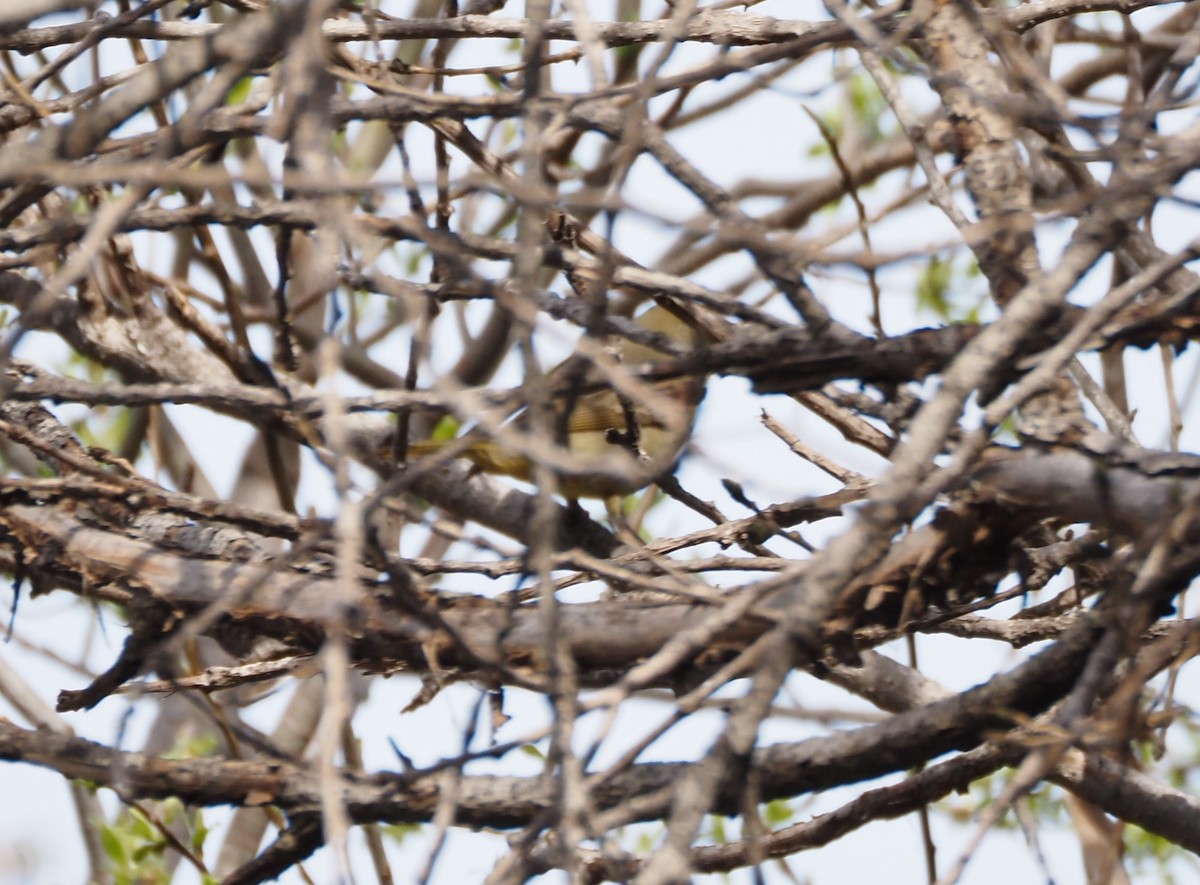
x,y
113,845
645,842
776,812
532,750
199,832
413,264
240,91
148,851
195,746
140,826
170,809
933,287
399,832
446,429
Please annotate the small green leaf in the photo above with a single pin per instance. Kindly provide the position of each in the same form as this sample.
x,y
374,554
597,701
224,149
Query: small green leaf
x,y
399,832
933,287
645,843
199,832
776,812
170,809
140,826
413,264
113,846
446,429
240,91
532,750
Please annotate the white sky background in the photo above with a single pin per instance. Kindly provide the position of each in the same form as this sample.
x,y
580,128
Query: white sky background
x,y
767,137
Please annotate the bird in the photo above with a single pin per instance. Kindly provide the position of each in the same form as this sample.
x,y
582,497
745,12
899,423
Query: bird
x,y
615,444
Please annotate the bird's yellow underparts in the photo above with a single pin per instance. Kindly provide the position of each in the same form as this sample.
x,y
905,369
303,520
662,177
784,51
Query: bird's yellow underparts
x,y
603,443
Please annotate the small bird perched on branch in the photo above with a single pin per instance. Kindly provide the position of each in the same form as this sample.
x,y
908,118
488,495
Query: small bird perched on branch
x,y
605,443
